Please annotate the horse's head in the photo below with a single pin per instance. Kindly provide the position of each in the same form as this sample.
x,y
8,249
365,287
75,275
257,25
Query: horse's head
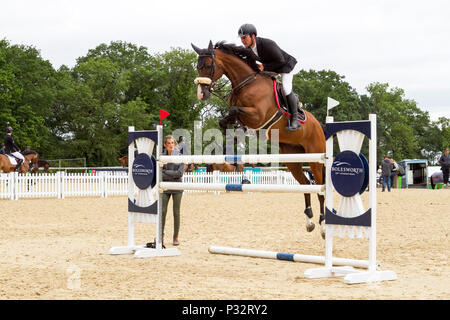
x,y
208,69
33,158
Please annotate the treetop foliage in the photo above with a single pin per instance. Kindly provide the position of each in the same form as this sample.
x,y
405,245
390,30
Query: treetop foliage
x,y
85,111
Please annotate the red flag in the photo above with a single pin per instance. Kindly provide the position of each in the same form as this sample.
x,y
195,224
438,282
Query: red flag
x,y
162,114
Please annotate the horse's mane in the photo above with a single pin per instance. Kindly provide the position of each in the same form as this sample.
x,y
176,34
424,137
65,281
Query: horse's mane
x,y
245,54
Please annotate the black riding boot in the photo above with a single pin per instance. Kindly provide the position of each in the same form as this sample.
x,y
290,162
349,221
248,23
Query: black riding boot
x,y
294,123
19,162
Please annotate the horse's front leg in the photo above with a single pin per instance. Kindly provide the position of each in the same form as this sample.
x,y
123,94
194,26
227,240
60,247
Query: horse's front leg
x,y
231,118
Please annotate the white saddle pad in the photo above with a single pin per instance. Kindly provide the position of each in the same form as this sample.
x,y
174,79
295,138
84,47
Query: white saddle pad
x,y
12,160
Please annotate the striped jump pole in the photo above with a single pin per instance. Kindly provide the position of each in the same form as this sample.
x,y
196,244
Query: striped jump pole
x,y
364,264
245,158
242,187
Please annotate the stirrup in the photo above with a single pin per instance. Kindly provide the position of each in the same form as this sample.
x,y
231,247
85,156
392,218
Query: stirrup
x,y
291,127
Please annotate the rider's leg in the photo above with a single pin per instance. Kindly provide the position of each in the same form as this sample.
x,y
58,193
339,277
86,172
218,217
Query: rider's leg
x,y
291,99
20,159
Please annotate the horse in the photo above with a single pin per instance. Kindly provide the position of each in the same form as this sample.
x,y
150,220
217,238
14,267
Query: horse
x,y
123,161
44,164
191,167
6,166
224,167
253,105
31,157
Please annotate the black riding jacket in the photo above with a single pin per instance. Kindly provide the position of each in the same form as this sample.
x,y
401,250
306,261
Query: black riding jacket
x,y
10,146
273,58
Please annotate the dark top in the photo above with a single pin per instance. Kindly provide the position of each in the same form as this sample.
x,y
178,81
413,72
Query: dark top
x,y
173,172
445,160
386,168
10,146
273,58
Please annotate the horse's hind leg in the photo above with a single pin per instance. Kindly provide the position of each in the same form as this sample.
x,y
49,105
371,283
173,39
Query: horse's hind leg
x,y
296,170
318,171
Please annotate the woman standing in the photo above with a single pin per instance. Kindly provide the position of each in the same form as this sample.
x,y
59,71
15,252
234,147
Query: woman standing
x,y
172,172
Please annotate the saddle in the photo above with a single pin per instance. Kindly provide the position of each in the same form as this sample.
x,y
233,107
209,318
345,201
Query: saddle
x,y
12,159
282,102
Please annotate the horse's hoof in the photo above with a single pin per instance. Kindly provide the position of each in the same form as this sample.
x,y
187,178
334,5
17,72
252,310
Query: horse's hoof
x,y
322,231
310,226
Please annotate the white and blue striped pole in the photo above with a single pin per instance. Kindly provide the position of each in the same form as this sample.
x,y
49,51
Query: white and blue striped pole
x,y
245,158
287,256
306,188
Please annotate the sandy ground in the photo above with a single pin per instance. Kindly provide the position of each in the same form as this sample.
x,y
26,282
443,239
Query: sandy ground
x,y
58,249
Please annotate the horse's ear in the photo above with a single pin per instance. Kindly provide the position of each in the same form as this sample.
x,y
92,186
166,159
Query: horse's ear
x,y
210,47
196,49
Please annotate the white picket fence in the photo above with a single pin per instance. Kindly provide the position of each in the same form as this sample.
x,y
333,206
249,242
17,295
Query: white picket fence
x,y
103,184
60,185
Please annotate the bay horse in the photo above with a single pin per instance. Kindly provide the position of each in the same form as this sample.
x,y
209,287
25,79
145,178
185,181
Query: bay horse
x,y
6,166
224,167
123,161
32,160
44,164
253,104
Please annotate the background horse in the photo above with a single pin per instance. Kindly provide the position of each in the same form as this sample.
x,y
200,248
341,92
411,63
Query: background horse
x,y
252,104
124,161
31,161
44,164
224,167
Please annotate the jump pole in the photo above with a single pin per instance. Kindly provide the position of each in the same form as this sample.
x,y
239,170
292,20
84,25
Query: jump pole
x,y
364,264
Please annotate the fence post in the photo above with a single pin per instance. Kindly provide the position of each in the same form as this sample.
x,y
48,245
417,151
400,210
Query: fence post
x,y
62,183
58,184
16,186
11,185
103,184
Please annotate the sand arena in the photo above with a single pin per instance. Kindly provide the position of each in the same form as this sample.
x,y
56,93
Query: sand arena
x,y
58,249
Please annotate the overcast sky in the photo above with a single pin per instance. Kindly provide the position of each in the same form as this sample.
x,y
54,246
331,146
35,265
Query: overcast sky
x,y
404,43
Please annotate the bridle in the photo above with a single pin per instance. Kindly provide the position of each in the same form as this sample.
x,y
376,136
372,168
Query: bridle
x,y
208,81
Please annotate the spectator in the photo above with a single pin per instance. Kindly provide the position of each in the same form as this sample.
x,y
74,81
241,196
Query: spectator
x,y
445,166
394,172
386,169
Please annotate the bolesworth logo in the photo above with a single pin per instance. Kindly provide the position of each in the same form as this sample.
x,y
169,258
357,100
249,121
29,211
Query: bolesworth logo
x,y
347,173
143,171
345,168
140,169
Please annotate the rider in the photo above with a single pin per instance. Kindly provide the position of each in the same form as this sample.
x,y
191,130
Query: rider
x,y
12,148
273,59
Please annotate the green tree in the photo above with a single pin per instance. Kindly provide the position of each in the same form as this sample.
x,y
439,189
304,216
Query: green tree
x,y
27,89
314,88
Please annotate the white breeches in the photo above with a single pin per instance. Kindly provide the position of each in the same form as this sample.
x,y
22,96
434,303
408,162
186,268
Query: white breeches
x,y
17,154
286,80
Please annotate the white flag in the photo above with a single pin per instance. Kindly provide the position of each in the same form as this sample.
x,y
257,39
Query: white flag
x,y
331,103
